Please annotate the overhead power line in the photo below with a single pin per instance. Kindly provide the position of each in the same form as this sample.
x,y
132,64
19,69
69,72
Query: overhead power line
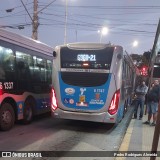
x,y
46,6
34,20
92,19
26,10
108,7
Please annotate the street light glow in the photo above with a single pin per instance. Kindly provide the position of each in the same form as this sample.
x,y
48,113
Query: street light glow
x,y
104,31
135,43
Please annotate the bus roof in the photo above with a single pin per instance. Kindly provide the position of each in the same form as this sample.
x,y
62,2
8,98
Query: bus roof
x,y
25,42
87,45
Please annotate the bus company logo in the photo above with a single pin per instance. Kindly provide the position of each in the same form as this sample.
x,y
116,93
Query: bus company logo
x,y
82,90
66,100
6,154
71,101
97,96
70,90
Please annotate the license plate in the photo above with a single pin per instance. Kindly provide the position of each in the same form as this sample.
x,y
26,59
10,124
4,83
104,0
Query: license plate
x,y
82,104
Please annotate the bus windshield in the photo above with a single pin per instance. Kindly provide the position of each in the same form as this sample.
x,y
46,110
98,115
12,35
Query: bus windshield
x,y
90,59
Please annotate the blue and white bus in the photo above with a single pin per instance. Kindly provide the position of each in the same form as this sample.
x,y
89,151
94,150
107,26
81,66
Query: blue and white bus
x,y
25,78
92,82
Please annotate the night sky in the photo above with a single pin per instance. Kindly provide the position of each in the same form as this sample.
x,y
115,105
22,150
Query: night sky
x,y
127,21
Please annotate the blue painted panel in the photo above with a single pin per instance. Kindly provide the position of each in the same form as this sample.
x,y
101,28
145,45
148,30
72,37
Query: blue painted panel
x,y
86,98
40,104
20,105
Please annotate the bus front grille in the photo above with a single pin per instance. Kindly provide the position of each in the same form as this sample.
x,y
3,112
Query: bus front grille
x,y
84,79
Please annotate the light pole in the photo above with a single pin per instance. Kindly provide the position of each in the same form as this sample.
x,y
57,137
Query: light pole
x,y
103,31
65,25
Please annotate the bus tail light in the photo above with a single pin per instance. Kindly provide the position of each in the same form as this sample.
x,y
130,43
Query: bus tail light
x,y
53,100
114,103
1,91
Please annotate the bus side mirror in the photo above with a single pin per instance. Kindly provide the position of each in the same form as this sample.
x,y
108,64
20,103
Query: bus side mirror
x,y
119,56
54,54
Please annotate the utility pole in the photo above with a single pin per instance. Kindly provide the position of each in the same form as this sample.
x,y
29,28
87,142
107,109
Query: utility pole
x,y
35,21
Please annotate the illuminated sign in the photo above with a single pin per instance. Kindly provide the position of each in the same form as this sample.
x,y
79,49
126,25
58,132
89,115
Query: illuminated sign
x,y
86,57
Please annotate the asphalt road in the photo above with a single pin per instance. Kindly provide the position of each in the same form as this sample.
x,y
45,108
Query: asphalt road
x,y
48,134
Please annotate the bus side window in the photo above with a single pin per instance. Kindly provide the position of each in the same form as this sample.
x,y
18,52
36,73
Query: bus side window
x,y
23,70
2,72
35,72
7,63
20,65
23,61
39,74
49,71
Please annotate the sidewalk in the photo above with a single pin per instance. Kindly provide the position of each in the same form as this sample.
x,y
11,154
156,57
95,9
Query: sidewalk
x,y
138,137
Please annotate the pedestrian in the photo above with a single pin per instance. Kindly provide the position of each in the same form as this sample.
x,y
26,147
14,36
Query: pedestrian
x,y
152,102
140,92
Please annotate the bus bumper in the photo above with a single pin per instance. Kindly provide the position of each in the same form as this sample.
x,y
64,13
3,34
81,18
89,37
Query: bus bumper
x,y
103,117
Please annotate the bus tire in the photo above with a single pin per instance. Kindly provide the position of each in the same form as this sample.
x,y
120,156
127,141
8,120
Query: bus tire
x,y
7,117
28,111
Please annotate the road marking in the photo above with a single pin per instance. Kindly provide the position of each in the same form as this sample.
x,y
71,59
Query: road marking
x,y
126,141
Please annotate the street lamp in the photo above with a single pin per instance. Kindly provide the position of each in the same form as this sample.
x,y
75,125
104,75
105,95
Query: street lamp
x,y
103,32
65,26
135,43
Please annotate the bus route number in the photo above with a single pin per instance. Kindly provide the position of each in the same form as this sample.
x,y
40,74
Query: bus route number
x,y
6,85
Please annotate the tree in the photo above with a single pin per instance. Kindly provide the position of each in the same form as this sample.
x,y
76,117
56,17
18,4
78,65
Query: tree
x,y
147,57
137,59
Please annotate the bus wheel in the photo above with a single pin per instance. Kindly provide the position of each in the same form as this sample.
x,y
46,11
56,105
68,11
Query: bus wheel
x,y
7,117
28,111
